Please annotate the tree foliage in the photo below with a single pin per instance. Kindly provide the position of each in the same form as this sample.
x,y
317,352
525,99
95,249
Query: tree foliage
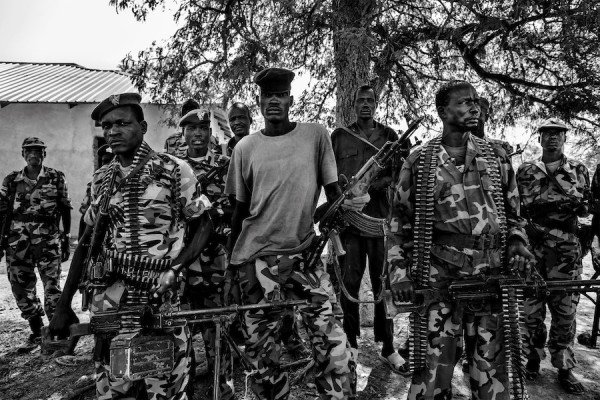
x,y
532,58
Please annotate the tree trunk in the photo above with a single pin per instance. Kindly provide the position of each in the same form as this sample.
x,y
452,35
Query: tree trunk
x,y
352,52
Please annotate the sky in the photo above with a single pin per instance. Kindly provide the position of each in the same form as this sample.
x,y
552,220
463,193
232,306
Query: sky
x,y
87,32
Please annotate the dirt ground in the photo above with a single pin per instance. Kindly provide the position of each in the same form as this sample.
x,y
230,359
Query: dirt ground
x,y
34,376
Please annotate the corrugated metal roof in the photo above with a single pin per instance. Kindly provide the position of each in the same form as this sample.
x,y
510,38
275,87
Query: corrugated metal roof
x,y
60,83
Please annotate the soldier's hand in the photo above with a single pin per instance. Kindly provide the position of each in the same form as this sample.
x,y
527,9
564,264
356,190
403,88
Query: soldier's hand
x,y
63,318
166,280
356,203
403,292
519,257
65,247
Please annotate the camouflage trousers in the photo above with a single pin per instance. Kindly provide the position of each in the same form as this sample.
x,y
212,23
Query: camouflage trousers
x,y
22,259
170,386
205,287
280,278
445,342
563,308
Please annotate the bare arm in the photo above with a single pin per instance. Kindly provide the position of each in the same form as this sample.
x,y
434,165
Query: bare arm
x,y
241,211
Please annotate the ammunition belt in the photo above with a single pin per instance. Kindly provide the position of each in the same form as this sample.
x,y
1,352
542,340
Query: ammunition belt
x,y
41,219
137,271
421,259
462,241
368,225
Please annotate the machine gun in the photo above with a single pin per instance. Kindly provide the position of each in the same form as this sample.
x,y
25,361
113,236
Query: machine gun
x,y
136,356
94,264
331,222
208,178
472,294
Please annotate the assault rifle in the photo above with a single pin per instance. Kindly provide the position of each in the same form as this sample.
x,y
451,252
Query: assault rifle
x,y
93,264
331,222
473,294
206,179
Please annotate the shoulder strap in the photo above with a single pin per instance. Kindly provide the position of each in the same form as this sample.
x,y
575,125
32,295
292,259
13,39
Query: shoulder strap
x,y
349,131
135,170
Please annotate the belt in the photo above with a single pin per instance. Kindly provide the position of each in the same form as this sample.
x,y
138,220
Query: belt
x,y
47,219
462,241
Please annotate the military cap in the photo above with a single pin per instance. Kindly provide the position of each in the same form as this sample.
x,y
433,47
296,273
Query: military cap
x,y
275,80
116,101
189,105
553,123
33,142
195,117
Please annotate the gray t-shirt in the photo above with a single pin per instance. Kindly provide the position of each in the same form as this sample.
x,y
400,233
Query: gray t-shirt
x,y
281,178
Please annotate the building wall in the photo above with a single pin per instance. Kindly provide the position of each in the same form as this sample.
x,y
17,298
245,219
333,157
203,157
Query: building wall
x,y
69,135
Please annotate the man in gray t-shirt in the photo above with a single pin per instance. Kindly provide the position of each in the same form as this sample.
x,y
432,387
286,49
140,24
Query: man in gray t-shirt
x,y
276,176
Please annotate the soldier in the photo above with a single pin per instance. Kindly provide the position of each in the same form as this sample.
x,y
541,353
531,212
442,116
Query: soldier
x,y
471,184
205,281
175,144
239,121
553,191
484,116
152,200
35,199
353,146
276,175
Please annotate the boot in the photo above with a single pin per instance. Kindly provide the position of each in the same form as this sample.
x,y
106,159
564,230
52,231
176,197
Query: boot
x,y
35,338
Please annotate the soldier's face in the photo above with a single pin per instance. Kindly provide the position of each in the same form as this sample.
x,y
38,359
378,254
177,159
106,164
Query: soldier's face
x,y
365,104
552,139
34,156
462,111
275,107
239,122
122,131
197,136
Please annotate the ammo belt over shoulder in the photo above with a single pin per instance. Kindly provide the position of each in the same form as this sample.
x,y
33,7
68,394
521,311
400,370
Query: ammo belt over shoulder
x,y
462,241
40,219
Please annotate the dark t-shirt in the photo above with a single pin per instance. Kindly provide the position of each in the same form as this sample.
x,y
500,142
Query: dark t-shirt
x,y
351,154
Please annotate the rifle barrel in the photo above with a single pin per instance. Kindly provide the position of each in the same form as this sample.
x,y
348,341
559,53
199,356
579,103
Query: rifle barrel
x,y
235,308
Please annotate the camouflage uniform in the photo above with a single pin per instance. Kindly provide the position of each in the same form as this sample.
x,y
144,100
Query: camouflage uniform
x,y
148,217
34,239
464,205
558,252
205,280
270,278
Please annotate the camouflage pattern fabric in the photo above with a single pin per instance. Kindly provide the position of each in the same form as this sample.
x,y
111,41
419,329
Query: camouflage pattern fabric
x,y
558,255
35,244
205,282
165,387
176,146
280,278
152,225
463,205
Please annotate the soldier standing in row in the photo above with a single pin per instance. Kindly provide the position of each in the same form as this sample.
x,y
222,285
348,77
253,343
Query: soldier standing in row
x,y
461,192
239,121
152,201
35,199
276,175
175,144
205,282
353,146
553,191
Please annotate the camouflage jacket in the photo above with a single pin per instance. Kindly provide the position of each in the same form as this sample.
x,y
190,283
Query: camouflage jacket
x,y
175,145
42,198
215,190
537,190
149,214
463,204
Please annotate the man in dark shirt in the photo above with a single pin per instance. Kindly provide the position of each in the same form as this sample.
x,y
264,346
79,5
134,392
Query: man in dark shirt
x,y
353,146
239,120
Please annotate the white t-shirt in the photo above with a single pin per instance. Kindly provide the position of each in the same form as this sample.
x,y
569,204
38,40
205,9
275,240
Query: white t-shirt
x,y
281,178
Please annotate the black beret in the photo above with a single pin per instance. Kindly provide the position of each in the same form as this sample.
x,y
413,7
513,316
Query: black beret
x,y
189,105
116,101
195,117
275,80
